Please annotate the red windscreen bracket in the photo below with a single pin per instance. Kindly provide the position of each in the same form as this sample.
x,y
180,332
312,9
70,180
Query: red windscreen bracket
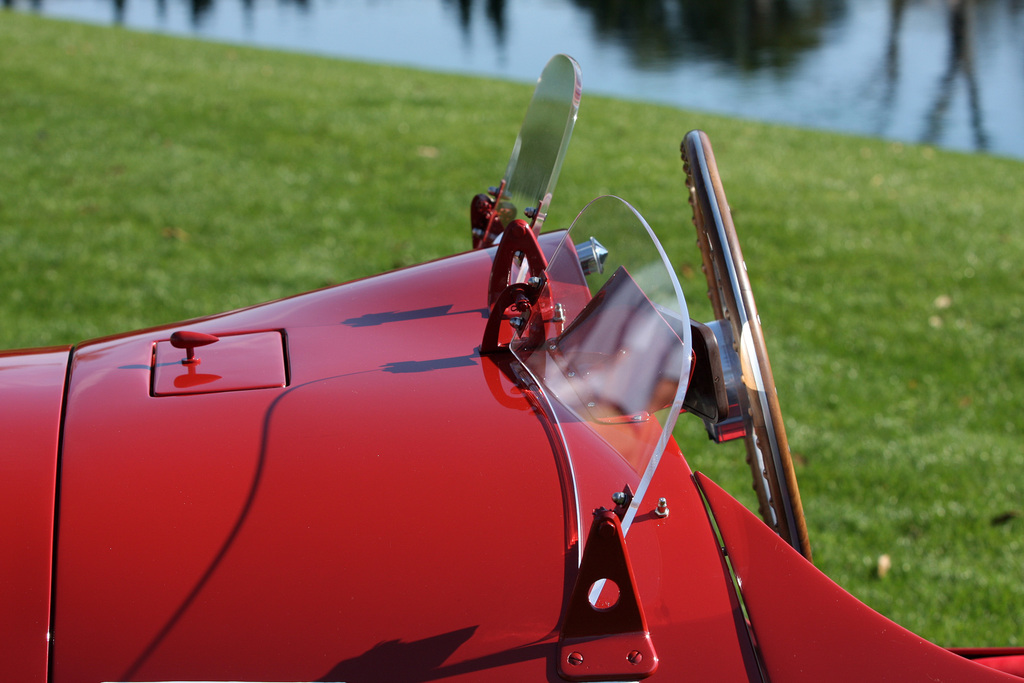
x,y
604,635
518,249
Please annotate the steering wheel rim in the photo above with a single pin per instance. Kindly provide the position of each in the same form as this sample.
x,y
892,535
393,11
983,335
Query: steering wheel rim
x,y
732,301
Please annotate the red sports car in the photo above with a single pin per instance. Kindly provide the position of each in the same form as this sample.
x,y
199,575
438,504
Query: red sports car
x,y
462,470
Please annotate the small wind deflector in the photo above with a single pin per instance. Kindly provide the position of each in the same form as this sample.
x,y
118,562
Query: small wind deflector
x,y
529,181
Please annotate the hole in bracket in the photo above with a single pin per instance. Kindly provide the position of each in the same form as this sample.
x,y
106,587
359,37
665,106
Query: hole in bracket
x,y
603,595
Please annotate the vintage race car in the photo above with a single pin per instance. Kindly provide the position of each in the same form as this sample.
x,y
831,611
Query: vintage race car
x,y
462,470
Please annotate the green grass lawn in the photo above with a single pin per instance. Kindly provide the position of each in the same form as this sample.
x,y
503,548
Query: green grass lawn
x,y
147,179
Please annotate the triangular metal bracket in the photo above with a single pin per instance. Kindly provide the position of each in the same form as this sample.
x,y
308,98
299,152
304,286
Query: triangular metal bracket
x,y
607,639
518,243
516,282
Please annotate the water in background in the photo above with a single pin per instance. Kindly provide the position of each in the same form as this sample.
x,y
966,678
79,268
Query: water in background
x,y
943,72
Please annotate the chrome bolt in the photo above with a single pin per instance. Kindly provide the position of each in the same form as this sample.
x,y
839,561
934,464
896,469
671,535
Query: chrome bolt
x,y
662,509
620,498
575,658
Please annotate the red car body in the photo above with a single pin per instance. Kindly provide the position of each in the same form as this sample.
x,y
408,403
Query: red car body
x,y
349,485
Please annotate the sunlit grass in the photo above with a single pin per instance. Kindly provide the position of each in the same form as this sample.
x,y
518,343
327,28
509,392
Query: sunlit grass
x,y
146,179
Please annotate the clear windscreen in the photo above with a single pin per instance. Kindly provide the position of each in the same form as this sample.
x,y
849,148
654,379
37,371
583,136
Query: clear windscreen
x,y
537,156
609,342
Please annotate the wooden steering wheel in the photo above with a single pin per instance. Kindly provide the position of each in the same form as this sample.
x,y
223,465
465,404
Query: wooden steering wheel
x,y
734,308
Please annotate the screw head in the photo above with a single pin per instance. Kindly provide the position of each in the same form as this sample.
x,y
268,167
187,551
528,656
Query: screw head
x,y
575,658
634,657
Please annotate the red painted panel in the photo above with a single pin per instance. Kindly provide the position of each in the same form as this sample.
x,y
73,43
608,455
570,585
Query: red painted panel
x,y
810,629
32,392
396,509
695,620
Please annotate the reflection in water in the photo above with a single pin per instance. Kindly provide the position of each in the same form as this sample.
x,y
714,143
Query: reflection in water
x,y
199,10
892,54
746,34
961,62
494,10
935,71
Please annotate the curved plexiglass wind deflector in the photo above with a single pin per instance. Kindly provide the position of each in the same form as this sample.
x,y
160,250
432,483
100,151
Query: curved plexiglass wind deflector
x,y
537,156
609,345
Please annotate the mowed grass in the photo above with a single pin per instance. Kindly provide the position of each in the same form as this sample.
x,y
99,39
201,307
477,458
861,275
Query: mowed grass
x,y
146,179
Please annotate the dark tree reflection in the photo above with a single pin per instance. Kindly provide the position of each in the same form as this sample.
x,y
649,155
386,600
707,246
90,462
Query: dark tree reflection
x,y
494,10
199,10
746,34
961,63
